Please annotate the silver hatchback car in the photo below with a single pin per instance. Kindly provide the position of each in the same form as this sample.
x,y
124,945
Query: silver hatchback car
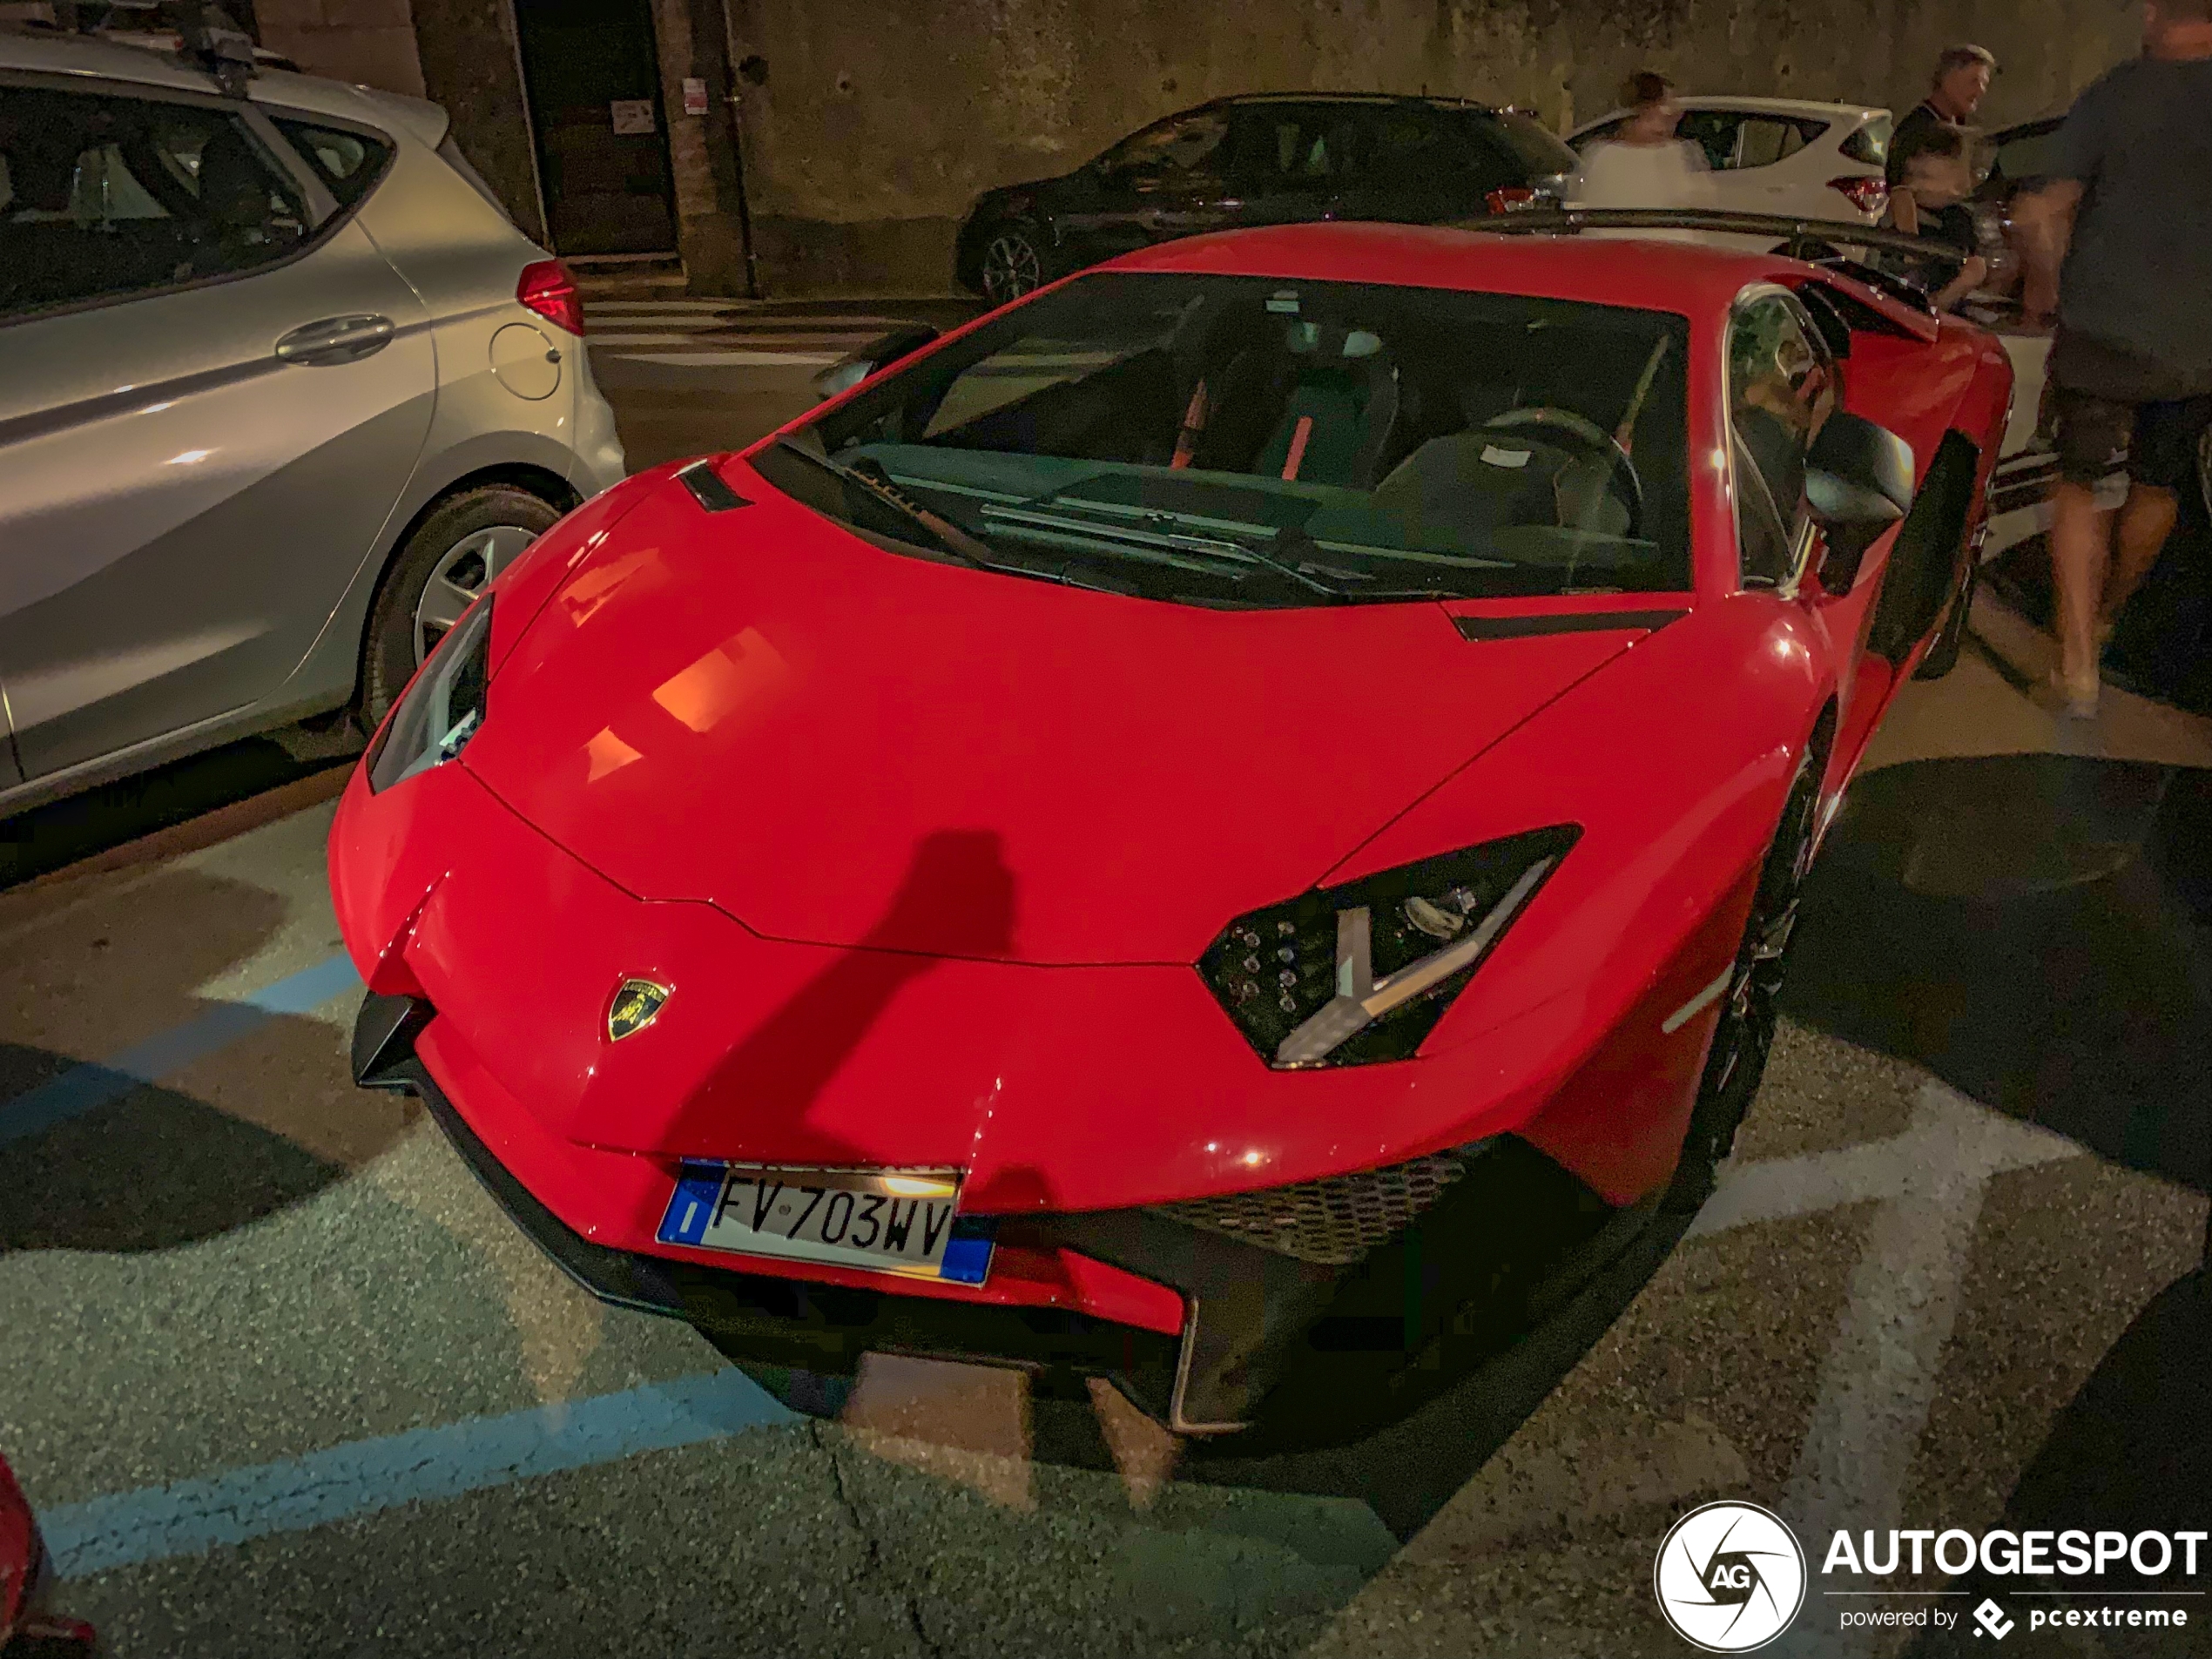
x,y
282,387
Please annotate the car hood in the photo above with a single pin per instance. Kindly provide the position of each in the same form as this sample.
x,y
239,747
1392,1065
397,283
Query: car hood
x,y
838,744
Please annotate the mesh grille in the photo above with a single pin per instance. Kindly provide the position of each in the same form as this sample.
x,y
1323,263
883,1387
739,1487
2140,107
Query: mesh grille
x,y
1334,1221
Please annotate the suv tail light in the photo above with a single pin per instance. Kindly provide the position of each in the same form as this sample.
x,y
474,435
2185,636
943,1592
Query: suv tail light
x,y
1511,199
1869,192
547,288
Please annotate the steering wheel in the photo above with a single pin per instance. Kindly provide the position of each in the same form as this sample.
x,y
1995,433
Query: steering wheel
x,y
1598,443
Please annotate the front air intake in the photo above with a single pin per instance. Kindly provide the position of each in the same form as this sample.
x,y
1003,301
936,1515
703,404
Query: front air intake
x,y
1337,1220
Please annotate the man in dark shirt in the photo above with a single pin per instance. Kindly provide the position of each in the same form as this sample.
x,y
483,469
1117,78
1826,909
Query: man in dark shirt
x,y
1962,78
2120,240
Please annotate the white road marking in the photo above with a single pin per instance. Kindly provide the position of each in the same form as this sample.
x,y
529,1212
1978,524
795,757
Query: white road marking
x,y
673,303
1880,1376
1910,1164
726,359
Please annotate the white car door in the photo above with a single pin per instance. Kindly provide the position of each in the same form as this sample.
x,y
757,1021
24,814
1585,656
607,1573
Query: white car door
x,y
216,390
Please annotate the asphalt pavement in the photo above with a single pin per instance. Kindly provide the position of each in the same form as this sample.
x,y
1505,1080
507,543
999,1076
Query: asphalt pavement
x,y
281,1379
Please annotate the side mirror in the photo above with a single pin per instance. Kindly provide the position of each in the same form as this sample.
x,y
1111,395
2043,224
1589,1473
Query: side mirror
x,y
1859,482
849,371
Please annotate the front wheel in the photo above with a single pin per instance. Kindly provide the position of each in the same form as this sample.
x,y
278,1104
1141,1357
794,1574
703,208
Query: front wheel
x,y
1013,262
1751,1007
462,544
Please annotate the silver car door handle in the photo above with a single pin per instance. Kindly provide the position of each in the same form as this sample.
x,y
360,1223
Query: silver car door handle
x,y
336,340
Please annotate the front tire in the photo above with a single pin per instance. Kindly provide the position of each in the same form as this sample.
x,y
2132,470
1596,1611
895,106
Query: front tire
x,y
460,545
1751,1007
1014,261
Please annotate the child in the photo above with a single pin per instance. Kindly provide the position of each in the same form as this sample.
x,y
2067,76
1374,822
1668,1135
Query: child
x,y
1931,202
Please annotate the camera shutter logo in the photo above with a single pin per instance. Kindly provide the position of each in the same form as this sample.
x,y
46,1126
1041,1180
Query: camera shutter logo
x,y
1730,1577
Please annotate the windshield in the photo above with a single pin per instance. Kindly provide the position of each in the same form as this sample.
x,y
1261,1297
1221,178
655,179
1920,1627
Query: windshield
x,y
1248,441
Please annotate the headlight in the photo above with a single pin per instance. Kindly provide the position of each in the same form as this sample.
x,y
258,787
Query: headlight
x,y
1346,976
443,709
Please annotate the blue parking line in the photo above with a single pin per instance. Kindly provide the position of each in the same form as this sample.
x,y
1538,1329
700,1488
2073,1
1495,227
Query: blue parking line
x,y
422,1466
82,1088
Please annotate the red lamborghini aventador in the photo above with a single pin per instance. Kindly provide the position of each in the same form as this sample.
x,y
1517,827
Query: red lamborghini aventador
x,y
1232,826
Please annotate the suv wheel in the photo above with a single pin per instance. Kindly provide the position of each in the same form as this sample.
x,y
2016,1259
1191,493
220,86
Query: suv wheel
x,y
1013,262
439,570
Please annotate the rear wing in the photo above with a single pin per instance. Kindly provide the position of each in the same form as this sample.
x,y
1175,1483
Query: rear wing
x,y
1819,242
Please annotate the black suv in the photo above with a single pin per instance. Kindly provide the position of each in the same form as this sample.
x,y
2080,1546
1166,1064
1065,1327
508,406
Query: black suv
x,y
1263,159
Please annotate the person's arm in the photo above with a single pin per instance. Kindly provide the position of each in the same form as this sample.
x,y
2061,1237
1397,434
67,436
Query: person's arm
x,y
1971,276
1905,211
2046,217
2046,222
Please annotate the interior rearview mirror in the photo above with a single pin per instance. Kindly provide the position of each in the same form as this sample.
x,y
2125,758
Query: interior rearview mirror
x,y
850,370
1859,482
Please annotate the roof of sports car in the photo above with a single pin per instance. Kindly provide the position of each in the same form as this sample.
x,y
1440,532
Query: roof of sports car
x,y
1653,275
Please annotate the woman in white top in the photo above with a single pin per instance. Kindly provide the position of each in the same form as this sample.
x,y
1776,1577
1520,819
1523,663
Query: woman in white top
x,y
1645,165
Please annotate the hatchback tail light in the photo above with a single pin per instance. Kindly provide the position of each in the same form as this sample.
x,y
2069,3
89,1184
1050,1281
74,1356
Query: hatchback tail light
x,y
547,288
1869,192
1511,199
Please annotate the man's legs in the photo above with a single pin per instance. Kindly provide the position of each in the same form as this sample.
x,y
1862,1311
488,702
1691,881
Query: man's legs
x,y
2144,522
2094,435
2161,462
2080,533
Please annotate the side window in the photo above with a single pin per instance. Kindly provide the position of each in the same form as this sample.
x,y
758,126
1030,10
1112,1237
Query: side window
x,y
1870,144
1333,142
1715,132
1781,387
1410,140
1169,149
108,197
1767,140
350,163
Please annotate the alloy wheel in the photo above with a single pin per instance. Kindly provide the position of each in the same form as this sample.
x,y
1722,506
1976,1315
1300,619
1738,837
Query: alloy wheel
x,y
459,576
1011,266
1750,1010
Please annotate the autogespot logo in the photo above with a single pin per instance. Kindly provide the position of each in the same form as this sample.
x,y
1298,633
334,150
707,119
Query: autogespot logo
x,y
1730,1577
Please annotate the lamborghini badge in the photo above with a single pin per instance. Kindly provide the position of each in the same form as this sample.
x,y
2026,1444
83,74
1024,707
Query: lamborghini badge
x,y
637,1005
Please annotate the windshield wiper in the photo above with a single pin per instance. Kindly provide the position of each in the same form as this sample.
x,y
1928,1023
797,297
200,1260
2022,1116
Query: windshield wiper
x,y
1170,546
870,475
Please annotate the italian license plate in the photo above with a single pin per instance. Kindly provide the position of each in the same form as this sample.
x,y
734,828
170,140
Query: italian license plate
x,y
885,1220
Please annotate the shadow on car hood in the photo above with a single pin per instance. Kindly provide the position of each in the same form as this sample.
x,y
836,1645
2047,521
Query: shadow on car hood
x,y
838,744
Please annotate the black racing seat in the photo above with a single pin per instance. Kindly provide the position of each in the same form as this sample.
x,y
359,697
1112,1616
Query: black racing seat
x,y
1337,411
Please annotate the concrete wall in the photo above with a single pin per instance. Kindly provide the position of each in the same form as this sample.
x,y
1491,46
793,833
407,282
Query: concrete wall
x,y
876,124
368,41
879,123
470,65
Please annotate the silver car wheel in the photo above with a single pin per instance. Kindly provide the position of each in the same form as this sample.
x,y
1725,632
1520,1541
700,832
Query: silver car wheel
x,y
459,576
1011,267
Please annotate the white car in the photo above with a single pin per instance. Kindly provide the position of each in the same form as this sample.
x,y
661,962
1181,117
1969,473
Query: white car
x,y
1782,156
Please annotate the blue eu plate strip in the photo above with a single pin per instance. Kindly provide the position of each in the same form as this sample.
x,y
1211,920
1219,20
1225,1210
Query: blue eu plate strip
x,y
967,1252
690,1207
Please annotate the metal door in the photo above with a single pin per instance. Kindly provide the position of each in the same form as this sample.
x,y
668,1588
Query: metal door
x,y
593,79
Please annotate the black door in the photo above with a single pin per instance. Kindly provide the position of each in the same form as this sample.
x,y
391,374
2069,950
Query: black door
x,y
594,87
1156,184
